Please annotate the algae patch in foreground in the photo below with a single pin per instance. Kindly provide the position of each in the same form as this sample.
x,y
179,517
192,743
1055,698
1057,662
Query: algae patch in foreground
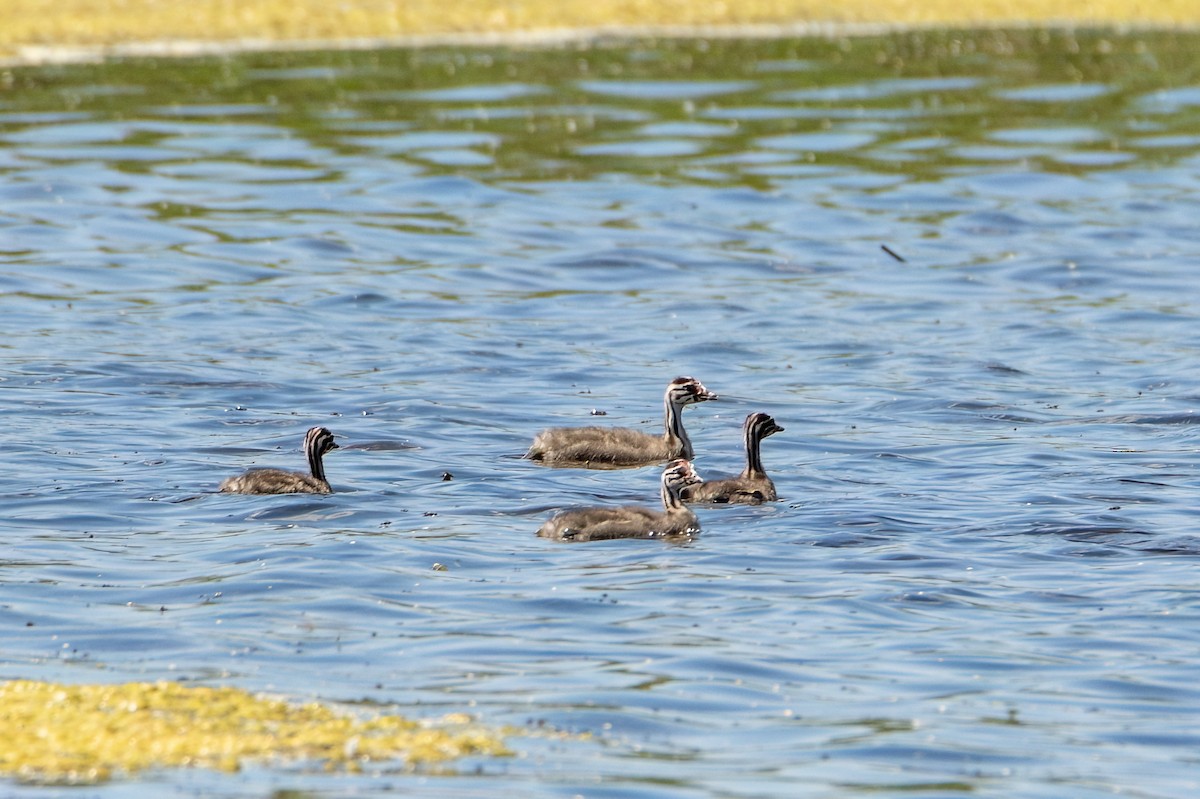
x,y
50,732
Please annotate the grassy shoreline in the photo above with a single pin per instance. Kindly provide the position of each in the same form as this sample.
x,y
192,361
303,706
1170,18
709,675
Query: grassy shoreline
x,y
39,31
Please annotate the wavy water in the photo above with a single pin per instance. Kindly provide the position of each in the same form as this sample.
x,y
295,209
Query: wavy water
x,y
980,579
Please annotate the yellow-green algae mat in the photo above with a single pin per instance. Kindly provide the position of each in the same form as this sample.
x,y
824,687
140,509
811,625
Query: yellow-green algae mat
x,y
56,733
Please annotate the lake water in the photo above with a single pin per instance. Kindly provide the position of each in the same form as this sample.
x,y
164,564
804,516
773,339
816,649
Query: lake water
x,y
982,578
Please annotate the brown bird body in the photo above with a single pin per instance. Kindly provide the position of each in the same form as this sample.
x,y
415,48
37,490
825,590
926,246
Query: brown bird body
x,y
752,486
631,521
598,447
317,442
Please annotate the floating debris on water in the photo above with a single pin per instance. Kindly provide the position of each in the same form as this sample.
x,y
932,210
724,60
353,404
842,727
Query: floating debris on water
x,y
85,734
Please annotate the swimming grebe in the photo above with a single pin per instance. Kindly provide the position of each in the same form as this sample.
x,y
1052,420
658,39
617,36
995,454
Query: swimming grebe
x,y
601,524
752,486
621,446
317,442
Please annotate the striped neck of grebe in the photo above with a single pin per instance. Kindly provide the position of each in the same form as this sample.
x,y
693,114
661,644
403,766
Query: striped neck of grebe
x,y
752,437
678,475
315,444
670,495
673,419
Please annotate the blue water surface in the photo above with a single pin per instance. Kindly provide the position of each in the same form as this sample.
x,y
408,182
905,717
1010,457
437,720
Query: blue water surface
x,y
981,578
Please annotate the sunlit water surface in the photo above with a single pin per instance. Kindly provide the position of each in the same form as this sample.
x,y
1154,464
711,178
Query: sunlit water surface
x,y
981,579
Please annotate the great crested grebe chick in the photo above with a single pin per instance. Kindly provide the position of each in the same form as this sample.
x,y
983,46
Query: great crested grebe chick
x,y
752,486
621,446
317,442
602,524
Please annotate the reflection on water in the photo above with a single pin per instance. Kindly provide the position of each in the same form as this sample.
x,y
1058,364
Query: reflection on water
x,y
980,576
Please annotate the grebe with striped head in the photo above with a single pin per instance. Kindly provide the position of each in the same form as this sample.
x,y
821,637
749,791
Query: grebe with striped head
x,y
621,446
317,442
752,486
631,521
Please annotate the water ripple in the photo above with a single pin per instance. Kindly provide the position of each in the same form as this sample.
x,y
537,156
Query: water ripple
x,y
980,577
